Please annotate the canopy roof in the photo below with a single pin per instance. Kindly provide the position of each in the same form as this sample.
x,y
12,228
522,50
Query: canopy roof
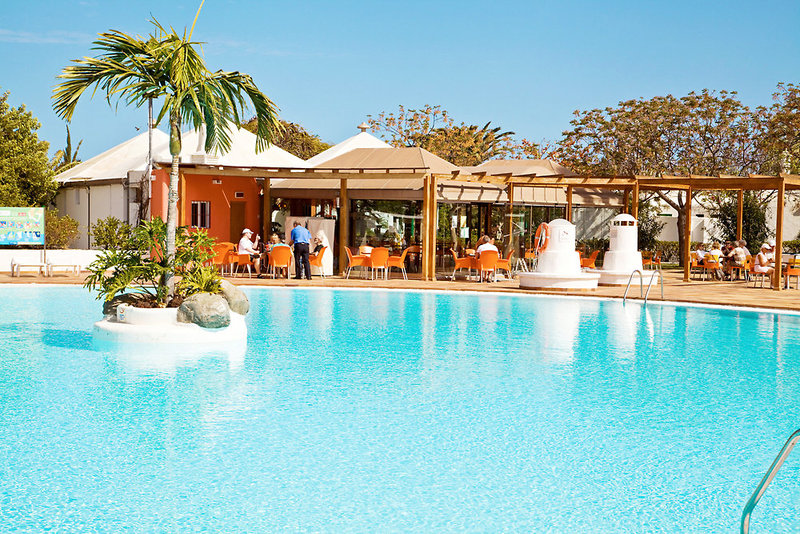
x,y
241,154
361,140
407,159
539,167
116,162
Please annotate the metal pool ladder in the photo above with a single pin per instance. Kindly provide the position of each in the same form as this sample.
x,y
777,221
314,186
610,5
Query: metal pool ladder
x,y
641,284
765,482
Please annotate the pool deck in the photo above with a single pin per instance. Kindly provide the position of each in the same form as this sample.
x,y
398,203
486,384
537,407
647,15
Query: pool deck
x,y
675,289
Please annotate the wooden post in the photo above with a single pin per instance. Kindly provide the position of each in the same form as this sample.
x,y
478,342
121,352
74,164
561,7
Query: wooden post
x,y
510,216
182,197
344,224
266,211
429,214
778,278
569,203
626,200
635,201
739,214
687,236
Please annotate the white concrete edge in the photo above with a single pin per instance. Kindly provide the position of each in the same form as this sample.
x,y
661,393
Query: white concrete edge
x,y
475,292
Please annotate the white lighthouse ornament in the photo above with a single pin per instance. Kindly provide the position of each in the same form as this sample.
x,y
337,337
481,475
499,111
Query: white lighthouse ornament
x,y
623,256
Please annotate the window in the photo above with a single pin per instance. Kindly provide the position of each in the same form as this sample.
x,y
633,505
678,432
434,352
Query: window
x,y
201,214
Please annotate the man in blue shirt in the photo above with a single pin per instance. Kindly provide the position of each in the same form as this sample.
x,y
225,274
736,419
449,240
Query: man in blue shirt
x,y
301,238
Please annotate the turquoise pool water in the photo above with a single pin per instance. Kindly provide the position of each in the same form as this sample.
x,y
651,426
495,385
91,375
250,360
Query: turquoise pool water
x,y
412,412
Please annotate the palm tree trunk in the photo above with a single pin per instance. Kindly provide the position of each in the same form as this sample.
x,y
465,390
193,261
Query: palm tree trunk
x,y
172,202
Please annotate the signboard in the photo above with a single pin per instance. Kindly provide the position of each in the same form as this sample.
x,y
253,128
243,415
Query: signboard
x,y
21,226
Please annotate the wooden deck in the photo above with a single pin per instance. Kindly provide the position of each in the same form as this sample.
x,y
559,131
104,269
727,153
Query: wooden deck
x,y
701,292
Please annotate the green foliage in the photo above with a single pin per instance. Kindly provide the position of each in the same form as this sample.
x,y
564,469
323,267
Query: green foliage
x,y
26,178
650,225
110,233
755,229
66,158
432,128
293,138
201,280
142,266
59,231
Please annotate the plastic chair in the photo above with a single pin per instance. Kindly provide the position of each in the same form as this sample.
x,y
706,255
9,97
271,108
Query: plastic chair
x,y
647,258
398,262
316,260
244,260
711,265
793,269
588,263
753,273
379,259
223,255
487,263
655,262
461,263
280,258
741,270
505,263
354,261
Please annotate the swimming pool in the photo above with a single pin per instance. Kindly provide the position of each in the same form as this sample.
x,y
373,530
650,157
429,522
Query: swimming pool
x,y
402,411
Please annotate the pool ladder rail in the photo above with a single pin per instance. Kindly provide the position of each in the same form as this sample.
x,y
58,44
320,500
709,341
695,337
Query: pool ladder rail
x,y
765,482
641,284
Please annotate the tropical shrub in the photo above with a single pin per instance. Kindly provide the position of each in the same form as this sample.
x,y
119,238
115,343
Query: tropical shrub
x,y
200,280
59,231
143,267
110,233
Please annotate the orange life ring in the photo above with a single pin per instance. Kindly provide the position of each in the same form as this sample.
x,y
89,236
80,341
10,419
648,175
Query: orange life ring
x,y
542,238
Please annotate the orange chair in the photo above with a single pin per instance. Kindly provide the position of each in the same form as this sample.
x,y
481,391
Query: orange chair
x,y
244,260
316,260
741,270
280,258
793,269
379,259
466,262
398,262
487,263
588,263
505,263
223,255
695,264
355,261
711,264
655,263
751,271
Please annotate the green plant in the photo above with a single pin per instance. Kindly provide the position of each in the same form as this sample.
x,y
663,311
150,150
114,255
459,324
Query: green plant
x,y
755,228
141,267
59,231
200,280
110,233
168,67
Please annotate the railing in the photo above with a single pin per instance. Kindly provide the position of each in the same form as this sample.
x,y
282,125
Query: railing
x,y
765,482
641,285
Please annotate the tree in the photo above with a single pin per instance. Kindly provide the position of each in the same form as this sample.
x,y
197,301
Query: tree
x,y
705,133
784,128
26,178
66,158
293,138
170,67
755,229
431,128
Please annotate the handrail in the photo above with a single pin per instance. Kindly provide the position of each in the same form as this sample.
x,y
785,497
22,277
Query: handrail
x,y
650,284
765,482
630,279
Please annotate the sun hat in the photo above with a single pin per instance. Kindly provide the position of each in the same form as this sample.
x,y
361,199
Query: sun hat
x,y
247,231
771,243
765,245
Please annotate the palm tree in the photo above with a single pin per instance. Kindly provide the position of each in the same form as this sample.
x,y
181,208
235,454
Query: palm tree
x,y
170,67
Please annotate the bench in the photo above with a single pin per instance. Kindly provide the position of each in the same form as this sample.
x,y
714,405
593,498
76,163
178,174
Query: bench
x,y
16,267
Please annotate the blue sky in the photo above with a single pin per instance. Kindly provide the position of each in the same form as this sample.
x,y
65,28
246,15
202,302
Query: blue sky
x,y
525,66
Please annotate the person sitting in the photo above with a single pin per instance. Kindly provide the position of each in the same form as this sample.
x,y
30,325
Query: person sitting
x,y
485,243
701,253
275,241
247,246
743,244
763,263
736,259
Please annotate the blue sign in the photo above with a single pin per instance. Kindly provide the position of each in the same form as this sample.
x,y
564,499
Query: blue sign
x,y
21,226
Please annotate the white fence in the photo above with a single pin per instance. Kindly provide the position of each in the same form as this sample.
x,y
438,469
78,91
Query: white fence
x,y
78,257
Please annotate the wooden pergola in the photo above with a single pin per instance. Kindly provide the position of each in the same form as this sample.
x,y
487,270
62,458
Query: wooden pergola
x,y
753,182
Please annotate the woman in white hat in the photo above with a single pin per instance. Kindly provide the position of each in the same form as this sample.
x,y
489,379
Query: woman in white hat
x,y
763,262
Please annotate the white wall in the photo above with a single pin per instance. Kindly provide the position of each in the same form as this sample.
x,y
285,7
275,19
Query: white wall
x,y
89,204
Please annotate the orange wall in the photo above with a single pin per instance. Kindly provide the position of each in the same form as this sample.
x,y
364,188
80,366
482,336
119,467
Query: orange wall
x,y
202,188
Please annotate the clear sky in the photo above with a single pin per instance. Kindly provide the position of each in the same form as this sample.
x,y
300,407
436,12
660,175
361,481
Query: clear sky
x,y
524,65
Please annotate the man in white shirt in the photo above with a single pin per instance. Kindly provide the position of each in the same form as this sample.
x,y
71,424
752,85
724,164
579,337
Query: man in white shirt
x,y
487,243
247,246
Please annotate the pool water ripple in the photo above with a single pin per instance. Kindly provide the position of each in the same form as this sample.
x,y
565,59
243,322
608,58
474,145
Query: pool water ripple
x,y
359,411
